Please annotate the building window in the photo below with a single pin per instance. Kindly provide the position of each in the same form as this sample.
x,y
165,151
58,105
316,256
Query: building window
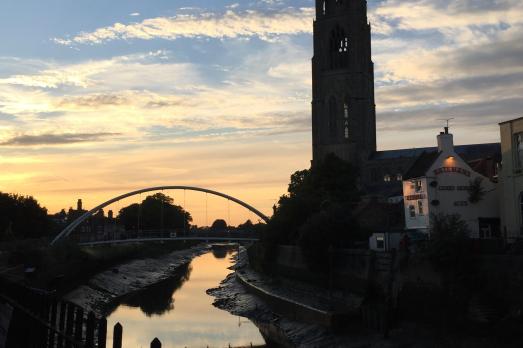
x,y
346,119
339,47
412,211
399,177
518,140
380,242
420,208
387,178
418,187
324,9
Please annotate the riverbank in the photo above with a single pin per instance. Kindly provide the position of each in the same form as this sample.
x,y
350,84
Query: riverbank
x,y
263,306
107,286
289,330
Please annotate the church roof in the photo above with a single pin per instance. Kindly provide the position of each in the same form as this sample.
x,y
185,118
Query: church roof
x,y
421,165
467,152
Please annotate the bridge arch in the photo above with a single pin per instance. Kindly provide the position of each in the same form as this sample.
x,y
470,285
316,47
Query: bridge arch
x,y
69,229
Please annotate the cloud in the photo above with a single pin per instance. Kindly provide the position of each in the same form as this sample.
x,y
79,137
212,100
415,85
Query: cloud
x,y
55,139
231,24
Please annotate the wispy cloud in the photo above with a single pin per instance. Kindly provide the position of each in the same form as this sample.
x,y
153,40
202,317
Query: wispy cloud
x,y
231,24
55,139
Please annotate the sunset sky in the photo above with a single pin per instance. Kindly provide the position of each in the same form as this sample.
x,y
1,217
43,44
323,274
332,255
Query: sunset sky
x,y
100,97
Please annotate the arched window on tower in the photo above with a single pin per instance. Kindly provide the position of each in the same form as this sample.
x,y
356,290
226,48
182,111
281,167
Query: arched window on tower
x,y
333,115
339,48
346,118
324,7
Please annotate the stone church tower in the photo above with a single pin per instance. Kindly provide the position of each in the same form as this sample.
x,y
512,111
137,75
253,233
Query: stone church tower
x,y
343,109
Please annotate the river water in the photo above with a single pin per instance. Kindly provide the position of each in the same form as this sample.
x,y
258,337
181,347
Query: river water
x,y
180,313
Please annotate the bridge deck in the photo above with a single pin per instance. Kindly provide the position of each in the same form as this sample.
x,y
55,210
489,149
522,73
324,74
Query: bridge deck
x,y
141,240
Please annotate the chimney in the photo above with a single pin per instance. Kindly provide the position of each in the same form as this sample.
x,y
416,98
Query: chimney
x,y
445,141
110,214
79,205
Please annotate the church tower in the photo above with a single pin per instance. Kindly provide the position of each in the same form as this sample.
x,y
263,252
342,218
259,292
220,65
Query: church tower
x,y
343,109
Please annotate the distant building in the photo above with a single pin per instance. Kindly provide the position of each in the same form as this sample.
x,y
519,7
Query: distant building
x,y
511,179
443,182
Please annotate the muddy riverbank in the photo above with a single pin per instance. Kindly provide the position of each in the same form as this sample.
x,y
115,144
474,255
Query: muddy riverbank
x,y
97,293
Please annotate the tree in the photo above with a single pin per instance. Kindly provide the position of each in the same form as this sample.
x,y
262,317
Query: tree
x,y
331,182
449,248
157,211
476,190
219,225
22,217
332,227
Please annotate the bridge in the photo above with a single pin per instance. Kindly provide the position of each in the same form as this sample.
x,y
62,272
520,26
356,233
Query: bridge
x,y
70,228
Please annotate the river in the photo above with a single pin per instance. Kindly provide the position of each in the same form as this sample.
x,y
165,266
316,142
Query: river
x,y
180,313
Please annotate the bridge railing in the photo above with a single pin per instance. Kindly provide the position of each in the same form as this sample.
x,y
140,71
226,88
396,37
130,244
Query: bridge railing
x,y
92,237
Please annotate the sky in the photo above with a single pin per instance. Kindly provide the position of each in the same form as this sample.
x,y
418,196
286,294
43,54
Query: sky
x,y
99,98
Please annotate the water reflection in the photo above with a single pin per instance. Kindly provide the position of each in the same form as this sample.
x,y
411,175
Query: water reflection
x,y
157,299
181,314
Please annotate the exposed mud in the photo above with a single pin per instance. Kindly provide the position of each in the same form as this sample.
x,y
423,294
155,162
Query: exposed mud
x,y
107,286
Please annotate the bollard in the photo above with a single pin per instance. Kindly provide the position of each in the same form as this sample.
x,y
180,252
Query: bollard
x,y
117,336
156,343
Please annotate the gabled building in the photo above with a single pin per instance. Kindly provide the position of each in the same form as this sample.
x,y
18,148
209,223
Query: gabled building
x,y
442,182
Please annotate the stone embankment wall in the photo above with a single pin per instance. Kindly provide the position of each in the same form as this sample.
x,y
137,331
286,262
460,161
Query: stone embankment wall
x,y
354,270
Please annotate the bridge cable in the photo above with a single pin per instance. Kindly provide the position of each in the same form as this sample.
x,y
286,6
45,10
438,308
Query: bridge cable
x,y
184,214
162,222
206,221
139,212
228,212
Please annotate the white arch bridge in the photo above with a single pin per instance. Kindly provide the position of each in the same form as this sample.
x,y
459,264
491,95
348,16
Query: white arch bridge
x,y
70,228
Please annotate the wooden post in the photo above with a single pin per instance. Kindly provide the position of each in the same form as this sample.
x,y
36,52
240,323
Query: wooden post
x,y
102,333
156,343
69,324
53,323
117,336
79,324
89,331
61,325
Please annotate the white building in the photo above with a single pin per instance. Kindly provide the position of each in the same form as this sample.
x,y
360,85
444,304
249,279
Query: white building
x,y
442,182
511,179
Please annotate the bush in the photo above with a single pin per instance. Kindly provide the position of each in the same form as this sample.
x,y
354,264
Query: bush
x,y
449,247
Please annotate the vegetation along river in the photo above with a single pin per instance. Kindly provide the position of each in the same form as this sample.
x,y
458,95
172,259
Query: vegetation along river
x,y
180,313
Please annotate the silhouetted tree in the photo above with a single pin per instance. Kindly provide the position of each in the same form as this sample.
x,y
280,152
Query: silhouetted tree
x,y
154,212
22,217
247,225
219,225
331,182
449,247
